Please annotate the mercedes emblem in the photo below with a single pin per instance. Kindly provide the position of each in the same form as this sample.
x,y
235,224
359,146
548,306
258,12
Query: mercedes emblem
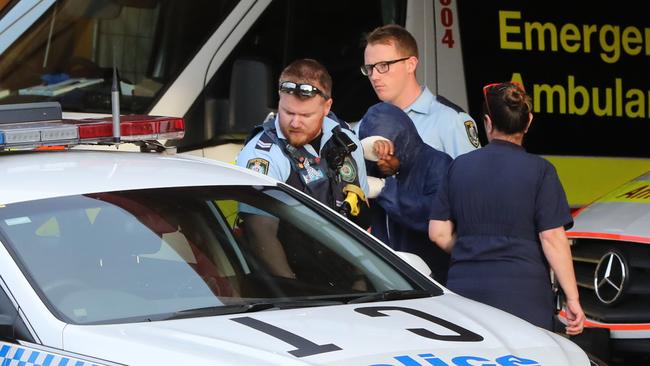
x,y
611,277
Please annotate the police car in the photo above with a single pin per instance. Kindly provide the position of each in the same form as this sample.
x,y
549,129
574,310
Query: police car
x,y
611,257
143,258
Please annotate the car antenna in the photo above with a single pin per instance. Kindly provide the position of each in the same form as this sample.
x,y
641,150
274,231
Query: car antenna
x,y
115,103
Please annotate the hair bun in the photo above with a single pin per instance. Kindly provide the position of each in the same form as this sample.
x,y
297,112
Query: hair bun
x,y
517,99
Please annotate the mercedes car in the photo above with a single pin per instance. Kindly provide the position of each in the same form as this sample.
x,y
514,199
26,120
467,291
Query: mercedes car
x,y
611,256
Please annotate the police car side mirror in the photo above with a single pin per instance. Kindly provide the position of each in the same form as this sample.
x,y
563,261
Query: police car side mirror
x,y
6,327
416,262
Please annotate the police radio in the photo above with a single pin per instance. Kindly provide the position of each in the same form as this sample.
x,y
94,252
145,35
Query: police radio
x,y
342,147
355,199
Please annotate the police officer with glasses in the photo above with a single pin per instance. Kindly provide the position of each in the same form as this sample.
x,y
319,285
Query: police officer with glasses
x,y
390,63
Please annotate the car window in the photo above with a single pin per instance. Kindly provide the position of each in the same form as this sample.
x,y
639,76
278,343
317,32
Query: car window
x,y
146,254
9,316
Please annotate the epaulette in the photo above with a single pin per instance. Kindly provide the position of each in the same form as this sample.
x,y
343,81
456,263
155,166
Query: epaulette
x,y
265,142
450,104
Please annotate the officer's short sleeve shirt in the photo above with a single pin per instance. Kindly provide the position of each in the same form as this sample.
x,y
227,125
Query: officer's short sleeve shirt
x,y
267,158
442,127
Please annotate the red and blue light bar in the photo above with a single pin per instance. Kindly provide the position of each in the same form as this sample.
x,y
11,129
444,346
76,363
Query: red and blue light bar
x,y
30,126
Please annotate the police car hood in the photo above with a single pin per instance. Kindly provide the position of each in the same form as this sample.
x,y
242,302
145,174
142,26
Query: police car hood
x,y
621,214
444,330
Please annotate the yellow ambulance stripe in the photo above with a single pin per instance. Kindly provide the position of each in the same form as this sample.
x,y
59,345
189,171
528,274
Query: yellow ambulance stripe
x,y
637,191
586,179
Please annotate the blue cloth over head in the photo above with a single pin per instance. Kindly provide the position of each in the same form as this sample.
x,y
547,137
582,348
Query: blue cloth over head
x,y
401,210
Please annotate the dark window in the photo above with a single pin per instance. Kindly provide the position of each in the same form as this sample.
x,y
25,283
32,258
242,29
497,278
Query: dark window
x,y
148,41
9,315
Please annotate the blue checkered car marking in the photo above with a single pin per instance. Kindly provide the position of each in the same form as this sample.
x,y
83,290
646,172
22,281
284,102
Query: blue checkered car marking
x,y
16,355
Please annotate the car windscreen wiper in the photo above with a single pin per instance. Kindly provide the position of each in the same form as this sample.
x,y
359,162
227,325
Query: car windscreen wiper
x,y
221,310
391,295
295,304
250,307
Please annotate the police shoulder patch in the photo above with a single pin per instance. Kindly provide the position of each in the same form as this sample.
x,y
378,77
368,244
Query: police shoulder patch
x,y
472,133
258,165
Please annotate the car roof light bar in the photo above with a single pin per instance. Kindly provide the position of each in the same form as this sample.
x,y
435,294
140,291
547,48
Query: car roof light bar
x,y
30,132
38,133
133,128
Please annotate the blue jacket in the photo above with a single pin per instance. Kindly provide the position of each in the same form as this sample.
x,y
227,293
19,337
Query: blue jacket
x,y
401,211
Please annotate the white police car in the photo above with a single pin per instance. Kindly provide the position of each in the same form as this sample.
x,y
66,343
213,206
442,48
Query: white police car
x,y
611,257
146,258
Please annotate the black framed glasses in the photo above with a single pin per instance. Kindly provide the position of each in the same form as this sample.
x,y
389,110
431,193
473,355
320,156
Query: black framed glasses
x,y
381,67
303,90
499,87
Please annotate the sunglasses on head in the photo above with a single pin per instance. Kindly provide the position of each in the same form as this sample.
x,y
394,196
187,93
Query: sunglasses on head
x,y
498,88
303,90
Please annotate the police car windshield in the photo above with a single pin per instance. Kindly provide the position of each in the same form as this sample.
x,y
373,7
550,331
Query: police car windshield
x,y
140,254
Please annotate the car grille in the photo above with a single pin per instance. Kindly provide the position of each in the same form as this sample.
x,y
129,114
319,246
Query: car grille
x,y
634,303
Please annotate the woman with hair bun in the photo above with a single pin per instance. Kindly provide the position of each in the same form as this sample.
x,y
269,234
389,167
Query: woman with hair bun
x,y
502,213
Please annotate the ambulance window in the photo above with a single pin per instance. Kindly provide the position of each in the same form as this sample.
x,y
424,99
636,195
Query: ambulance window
x,y
332,33
68,54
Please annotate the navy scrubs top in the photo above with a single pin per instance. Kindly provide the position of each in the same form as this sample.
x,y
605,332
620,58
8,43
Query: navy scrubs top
x,y
500,198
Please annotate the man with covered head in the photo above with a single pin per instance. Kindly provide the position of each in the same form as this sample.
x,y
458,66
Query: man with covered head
x,y
403,174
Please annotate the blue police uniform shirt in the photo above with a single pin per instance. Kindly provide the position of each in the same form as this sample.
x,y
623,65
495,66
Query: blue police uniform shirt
x,y
443,125
270,160
500,198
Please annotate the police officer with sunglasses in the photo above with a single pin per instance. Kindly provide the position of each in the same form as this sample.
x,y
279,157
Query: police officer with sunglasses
x,y
308,150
